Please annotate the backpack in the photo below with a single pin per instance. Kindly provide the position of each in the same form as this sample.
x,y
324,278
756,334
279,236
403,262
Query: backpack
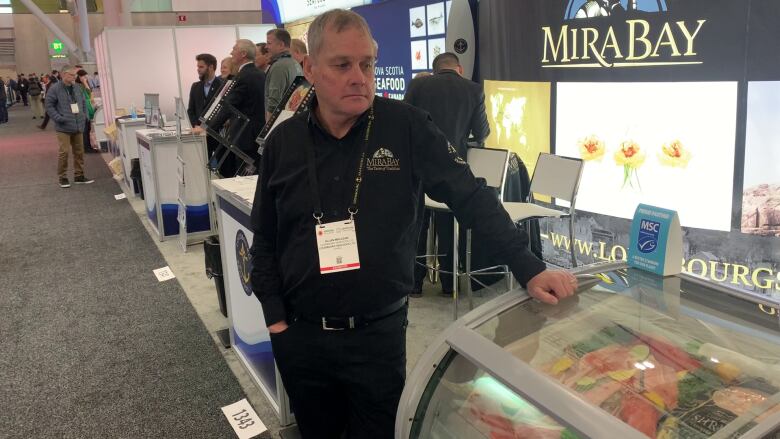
x,y
35,88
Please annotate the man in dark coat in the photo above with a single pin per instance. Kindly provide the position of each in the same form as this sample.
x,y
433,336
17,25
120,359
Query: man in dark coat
x,y
457,107
247,96
203,91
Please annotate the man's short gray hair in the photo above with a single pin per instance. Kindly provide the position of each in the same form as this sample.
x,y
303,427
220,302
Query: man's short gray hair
x,y
340,20
68,68
248,48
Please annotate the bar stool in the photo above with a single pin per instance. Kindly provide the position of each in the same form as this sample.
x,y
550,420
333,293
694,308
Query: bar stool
x,y
491,165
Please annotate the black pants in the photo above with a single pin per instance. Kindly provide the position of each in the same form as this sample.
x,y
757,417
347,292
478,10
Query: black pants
x,y
24,97
444,232
344,383
3,112
87,137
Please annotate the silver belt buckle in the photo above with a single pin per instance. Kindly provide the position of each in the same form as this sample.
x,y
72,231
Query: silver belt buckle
x,y
325,326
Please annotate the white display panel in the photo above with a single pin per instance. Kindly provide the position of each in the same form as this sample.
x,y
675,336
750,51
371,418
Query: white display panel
x,y
191,41
700,115
143,61
208,5
256,33
419,54
291,10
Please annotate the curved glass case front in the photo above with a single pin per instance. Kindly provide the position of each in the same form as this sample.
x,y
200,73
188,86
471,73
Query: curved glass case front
x,y
670,357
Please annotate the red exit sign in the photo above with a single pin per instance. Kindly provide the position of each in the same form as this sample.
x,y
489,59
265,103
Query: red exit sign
x,y
182,18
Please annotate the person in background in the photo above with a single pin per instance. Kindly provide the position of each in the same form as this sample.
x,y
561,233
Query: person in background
x,y
23,86
36,97
246,96
298,50
50,81
89,108
95,81
283,71
457,107
422,75
66,105
202,92
13,93
263,57
3,102
226,70
359,163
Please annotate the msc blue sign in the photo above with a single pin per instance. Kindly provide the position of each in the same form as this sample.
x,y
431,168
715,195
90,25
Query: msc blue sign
x,y
656,241
648,236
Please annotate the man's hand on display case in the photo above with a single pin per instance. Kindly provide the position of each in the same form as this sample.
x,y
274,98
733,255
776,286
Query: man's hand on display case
x,y
550,286
198,130
278,327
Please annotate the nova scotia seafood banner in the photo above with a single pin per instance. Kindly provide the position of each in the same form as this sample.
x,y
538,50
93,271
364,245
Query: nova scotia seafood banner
x,y
410,34
673,103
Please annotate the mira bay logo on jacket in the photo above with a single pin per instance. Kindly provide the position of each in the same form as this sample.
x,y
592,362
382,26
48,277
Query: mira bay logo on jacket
x,y
616,33
383,160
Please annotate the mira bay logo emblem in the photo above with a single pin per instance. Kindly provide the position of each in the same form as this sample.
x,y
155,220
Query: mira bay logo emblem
x,y
614,33
383,160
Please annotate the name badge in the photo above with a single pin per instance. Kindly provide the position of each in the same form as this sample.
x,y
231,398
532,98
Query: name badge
x,y
74,108
337,247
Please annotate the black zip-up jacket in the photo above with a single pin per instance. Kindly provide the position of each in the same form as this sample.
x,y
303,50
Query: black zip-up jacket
x,y
415,158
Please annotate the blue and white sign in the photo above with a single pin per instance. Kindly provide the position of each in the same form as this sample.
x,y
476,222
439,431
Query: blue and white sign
x,y
656,241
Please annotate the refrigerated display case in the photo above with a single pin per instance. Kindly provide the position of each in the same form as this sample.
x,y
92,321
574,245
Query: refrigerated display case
x,y
634,355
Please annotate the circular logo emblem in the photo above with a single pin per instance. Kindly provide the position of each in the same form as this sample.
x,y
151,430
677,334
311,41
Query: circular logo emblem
x,y
244,262
461,46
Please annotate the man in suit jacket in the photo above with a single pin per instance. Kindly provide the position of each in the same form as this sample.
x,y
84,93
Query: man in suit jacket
x,y
457,107
202,92
248,97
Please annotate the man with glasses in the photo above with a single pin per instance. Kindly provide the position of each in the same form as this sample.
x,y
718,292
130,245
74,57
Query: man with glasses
x,y
66,106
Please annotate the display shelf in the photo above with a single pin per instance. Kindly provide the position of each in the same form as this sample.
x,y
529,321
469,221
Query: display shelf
x,y
666,357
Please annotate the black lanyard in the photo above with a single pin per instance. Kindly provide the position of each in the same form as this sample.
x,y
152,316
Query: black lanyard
x,y
315,188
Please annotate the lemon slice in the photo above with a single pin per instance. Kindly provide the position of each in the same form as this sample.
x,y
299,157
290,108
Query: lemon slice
x,y
640,352
562,365
622,375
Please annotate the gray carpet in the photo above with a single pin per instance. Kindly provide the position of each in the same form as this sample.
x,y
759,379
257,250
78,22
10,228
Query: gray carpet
x,y
91,345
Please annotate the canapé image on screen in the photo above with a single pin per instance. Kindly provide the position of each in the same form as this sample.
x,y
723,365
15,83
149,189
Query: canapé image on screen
x,y
761,185
665,144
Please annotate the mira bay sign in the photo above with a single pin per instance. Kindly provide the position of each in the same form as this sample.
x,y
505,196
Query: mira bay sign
x,y
635,43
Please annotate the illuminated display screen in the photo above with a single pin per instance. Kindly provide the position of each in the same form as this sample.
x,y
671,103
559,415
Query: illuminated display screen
x,y
663,144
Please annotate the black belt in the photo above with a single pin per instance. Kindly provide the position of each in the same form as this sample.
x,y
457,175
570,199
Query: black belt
x,y
354,322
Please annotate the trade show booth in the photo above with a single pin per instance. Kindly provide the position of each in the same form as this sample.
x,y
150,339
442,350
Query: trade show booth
x,y
249,336
668,103
137,61
176,184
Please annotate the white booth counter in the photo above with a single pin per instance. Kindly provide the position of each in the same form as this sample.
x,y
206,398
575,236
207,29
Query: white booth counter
x,y
175,181
128,146
248,333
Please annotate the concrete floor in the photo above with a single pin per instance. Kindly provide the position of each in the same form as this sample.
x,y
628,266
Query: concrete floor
x,y
428,315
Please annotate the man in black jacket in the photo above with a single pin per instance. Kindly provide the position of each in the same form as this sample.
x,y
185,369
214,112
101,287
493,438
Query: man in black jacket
x,y
203,91
24,85
457,107
247,96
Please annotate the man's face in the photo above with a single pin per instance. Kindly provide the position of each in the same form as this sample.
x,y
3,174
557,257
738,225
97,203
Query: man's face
x,y
69,77
262,59
237,55
203,70
343,72
274,45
